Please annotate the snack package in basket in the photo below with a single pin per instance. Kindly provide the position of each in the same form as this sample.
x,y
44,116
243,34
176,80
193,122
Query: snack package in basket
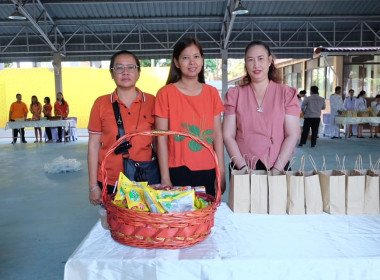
x,y
200,203
120,199
150,197
180,203
171,193
201,189
135,198
124,189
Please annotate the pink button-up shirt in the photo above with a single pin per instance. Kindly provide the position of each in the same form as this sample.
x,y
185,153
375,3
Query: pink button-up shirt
x,y
260,135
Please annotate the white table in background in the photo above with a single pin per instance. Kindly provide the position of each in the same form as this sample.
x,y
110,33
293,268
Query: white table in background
x,y
68,124
243,246
356,120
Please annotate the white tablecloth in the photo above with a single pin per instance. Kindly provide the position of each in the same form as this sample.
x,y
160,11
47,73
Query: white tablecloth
x,y
44,123
244,246
356,120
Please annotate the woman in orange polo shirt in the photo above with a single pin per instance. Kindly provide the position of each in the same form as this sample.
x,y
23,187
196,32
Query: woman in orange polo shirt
x,y
61,108
187,104
137,113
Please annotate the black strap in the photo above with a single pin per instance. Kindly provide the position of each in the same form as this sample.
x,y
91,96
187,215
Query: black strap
x,y
118,118
123,148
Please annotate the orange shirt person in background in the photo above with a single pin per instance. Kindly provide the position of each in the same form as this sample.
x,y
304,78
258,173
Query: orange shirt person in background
x,y
18,110
187,104
61,108
36,110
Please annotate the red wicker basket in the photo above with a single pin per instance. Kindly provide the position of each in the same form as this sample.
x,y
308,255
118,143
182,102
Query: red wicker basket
x,y
157,230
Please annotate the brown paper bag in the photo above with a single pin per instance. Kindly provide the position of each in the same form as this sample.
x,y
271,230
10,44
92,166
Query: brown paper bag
x,y
259,191
333,187
372,190
355,184
296,190
277,193
239,198
313,195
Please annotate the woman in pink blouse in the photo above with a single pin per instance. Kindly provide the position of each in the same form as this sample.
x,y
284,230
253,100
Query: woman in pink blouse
x,y
261,120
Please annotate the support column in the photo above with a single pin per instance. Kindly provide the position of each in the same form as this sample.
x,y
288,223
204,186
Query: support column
x,y
57,72
224,72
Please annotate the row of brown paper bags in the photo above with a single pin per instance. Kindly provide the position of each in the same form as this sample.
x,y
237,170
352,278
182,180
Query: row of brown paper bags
x,y
351,192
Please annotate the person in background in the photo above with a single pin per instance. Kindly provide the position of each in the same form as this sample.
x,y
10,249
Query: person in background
x,y
312,107
187,104
261,121
302,95
137,113
36,110
376,107
336,108
61,108
18,110
361,106
349,105
46,109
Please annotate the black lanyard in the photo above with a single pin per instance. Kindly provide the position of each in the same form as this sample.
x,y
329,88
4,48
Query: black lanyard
x,y
125,145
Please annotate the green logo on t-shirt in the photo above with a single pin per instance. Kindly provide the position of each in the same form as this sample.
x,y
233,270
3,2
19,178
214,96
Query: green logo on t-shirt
x,y
196,131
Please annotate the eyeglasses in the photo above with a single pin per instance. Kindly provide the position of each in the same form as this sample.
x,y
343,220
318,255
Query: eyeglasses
x,y
130,68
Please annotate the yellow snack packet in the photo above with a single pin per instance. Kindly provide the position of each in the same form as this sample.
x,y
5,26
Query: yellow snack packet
x,y
135,198
200,203
166,194
120,199
181,203
124,181
150,196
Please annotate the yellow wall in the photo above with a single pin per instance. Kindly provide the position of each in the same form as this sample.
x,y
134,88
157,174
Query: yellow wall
x,y
81,86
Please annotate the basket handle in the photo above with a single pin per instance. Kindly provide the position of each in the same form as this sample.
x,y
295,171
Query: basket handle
x,y
161,133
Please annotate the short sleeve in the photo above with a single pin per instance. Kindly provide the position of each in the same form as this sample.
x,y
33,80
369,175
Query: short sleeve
x,y
94,124
230,101
292,106
218,104
161,107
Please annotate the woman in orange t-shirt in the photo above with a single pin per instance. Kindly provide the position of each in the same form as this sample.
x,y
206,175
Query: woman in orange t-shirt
x,y
36,109
187,104
61,108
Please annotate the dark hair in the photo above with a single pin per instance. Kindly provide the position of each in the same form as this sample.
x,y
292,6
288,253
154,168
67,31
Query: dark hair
x,y
338,88
377,96
63,100
112,61
33,96
361,93
273,73
18,94
303,92
47,99
175,73
314,90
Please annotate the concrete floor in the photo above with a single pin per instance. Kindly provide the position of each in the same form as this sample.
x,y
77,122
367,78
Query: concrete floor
x,y
44,217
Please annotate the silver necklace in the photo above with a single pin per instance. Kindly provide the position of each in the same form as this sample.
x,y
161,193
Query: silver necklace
x,y
260,108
